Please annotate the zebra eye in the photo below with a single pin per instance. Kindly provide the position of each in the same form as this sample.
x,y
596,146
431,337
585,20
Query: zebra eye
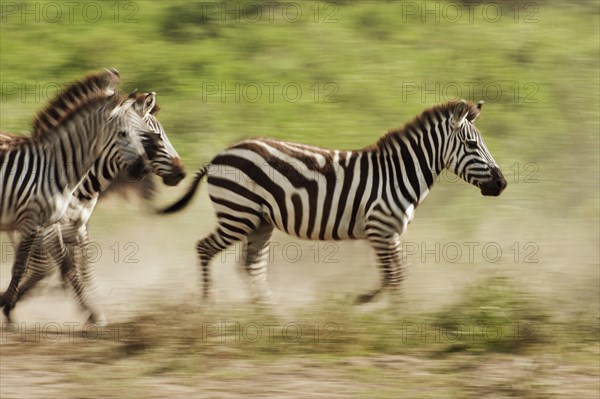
x,y
122,134
472,144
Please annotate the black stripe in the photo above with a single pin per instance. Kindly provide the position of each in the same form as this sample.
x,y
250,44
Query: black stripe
x,y
223,215
298,215
423,165
348,177
394,173
330,183
374,157
233,205
232,228
409,167
258,176
363,176
242,191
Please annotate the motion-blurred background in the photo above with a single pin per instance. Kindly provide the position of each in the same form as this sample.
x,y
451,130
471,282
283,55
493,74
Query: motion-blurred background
x,y
502,294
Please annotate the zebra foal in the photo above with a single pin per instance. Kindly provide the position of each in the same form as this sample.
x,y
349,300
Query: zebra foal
x,y
39,174
313,193
65,243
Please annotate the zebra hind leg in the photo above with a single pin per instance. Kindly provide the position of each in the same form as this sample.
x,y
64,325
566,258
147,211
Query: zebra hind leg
x,y
39,265
37,269
206,249
254,258
9,299
80,275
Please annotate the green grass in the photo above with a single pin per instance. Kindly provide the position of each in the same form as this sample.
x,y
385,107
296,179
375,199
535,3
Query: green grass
x,y
370,56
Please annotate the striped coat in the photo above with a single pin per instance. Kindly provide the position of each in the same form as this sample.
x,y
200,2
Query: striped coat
x,y
319,194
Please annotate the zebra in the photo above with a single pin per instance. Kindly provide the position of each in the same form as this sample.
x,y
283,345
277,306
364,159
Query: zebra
x,y
68,242
313,193
39,174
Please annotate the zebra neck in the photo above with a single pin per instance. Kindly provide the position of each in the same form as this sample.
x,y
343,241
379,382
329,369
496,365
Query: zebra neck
x,y
98,178
415,163
71,151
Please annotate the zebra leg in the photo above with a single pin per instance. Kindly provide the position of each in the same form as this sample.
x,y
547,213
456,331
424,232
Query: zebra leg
x,y
387,249
254,259
39,262
88,275
210,246
9,299
15,239
82,277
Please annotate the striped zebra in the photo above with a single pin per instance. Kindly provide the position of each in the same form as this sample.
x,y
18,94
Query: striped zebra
x,y
318,194
66,242
39,174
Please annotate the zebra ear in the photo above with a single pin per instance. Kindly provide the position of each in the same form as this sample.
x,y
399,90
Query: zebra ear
x,y
148,104
461,110
474,113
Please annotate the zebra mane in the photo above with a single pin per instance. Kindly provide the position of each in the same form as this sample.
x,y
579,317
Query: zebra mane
x,y
9,140
434,113
73,98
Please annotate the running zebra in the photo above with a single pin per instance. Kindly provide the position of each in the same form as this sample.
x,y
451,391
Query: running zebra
x,y
38,175
318,194
67,241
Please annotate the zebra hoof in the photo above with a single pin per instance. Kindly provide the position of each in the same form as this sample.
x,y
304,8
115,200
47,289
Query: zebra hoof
x,y
365,298
7,315
2,299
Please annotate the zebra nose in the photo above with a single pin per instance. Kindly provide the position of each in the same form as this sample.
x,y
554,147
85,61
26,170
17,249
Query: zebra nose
x,y
498,177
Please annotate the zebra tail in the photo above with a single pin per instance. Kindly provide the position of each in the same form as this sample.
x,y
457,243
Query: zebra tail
x,y
184,201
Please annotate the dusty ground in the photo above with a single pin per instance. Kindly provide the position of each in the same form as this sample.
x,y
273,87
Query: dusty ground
x,y
150,294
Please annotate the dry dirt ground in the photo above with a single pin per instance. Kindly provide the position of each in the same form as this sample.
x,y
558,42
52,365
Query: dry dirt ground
x,y
151,283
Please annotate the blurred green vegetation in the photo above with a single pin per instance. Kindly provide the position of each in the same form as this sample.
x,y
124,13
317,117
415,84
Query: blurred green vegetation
x,y
372,55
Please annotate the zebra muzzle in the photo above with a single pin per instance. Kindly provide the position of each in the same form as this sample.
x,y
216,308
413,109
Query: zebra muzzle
x,y
495,185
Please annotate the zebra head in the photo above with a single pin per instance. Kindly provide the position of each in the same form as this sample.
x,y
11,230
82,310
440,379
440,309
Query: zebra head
x,y
166,162
468,155
127,129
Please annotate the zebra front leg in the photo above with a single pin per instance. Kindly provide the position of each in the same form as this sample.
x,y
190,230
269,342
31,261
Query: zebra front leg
x,y
10,297
81,276
254,259
387,249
